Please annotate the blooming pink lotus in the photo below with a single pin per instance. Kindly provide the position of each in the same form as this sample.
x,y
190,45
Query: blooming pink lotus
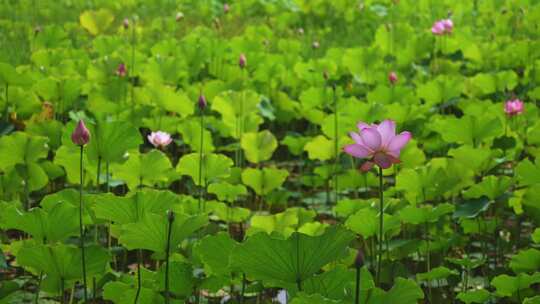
x,y
378,143
514,107
442,27
226,8
159,139
81,135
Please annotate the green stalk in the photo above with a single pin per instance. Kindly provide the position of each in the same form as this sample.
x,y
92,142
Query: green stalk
x,y
357,290
243,288
428,261
36,299
381,226
81,225
170,219
62,298
336,163
6,108
201,160
139,285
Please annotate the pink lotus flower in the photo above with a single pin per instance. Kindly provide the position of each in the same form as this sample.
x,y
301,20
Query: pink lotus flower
x,y
226,8
392,78
81,135
202,102
242,61
514,107
121,70
378,143
159,139
441,27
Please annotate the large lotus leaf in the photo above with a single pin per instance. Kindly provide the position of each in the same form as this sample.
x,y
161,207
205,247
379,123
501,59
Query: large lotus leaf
x,y
111,140
526,261
10,76
181,278
68,158
214,167
173,101
294,259
133,207
474,296
96,22
123,293
42,225
238,111
260,146
214,251
283,223
227,192
227,213
21,148
472,208
191,135
528,173
63,261
320,148
264,181
70,196
407,291
437,273
143,169
506,285
151,232
419,215
336,283
366,222
490,186
303,298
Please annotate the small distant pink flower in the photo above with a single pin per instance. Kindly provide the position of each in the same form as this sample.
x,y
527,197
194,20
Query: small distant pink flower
x,y
448,25
81,135
125,23
378,143
242,61
514,107
159,139
315,45
226,8
392,78
442,27
121,70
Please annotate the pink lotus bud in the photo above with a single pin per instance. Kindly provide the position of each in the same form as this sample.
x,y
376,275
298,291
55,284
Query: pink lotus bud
x,y
202,102
242,61
159,139
392,78
226,8
359,259
514,107
121,70
81,135
179,16
125,23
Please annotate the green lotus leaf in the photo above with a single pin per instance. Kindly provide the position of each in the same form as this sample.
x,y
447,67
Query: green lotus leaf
x,y
214,167
264,181
151,231
259,147
214,251
143,169
96,22
291,260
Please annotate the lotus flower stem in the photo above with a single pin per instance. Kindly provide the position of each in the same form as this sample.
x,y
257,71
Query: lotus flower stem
x,y
98,172
170,220
357,288
81,225
243,288
131,69
62,298
139,282
428,260
6,108
40,278
201,160
336,154
381,226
